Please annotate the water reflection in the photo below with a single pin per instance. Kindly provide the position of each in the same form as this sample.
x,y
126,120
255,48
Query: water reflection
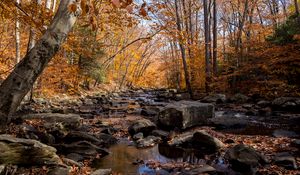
x,y
123,155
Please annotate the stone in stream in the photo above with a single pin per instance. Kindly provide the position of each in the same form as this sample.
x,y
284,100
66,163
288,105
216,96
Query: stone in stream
x,y
286,104
144,126
185,114
284,133
244,159
198,139
138,136
58,170
239,98
200,170
149,141
72,121
102,172
214,98
286,160
19,151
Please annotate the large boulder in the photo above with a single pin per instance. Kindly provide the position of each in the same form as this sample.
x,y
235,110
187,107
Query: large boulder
x,y
144,126
198,139
185,114
244,159
19,151
286,104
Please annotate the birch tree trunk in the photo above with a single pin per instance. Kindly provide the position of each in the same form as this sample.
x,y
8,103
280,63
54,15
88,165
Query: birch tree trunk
x,y
215,37
17,35
18,83
207,45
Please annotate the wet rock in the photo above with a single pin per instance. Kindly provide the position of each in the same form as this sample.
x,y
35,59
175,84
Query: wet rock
x,y
75,136
107,139
83,148
201,170
182,96
88,101
239,98
71,162
296,143
181,139
263,103
102,172
244,159
150,111
230,122
284,133
109,130
67,120
160,133
215,98
20,151
184,114
58,170
145,126
286,104
203,139
286,160
265,111
149,141
138,136
74,156
229,141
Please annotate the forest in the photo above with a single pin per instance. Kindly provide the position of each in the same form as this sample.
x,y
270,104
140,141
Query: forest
x,y
149,87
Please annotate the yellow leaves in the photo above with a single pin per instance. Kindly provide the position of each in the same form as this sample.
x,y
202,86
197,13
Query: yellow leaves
x,y
72,8
116,3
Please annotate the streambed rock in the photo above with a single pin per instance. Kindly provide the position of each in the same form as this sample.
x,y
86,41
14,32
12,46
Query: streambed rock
x,y
19,151
244,159
185,114
144,126
286,104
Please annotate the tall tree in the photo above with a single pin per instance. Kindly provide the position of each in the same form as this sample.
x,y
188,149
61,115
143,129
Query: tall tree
x,y
17,33
215,38
182,49
207,46
18,83
296,7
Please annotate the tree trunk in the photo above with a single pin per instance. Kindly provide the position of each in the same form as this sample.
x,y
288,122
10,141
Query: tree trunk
x,y
207,46
296,7
19,82
182,49
17,35
215,37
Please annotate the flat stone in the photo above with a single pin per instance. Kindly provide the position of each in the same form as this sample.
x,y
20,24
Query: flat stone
x,y
284,133
102,172
286,160
138,136
148,142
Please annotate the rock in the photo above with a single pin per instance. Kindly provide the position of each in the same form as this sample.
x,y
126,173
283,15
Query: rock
x,y
185,114
138,136
244,159
181,139
263,103
229,122
20,151
107,139
201,170
83,148
75,136
239,98
102,172
284,133
88,101
71,162
286,160
148,142
2,169
286,104
182,96
58,170
203,139
160,133
144,126
296,143
68,120
74,156
150,111
215,98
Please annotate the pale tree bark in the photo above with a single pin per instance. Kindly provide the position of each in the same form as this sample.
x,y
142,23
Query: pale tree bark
x,y
48,4
182,49
17,35
54,6
18,83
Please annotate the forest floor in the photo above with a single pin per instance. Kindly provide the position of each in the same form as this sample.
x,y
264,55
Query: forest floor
x,y
270,128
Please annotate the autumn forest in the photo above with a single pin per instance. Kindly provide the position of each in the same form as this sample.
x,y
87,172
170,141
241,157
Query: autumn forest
x,y
149,87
